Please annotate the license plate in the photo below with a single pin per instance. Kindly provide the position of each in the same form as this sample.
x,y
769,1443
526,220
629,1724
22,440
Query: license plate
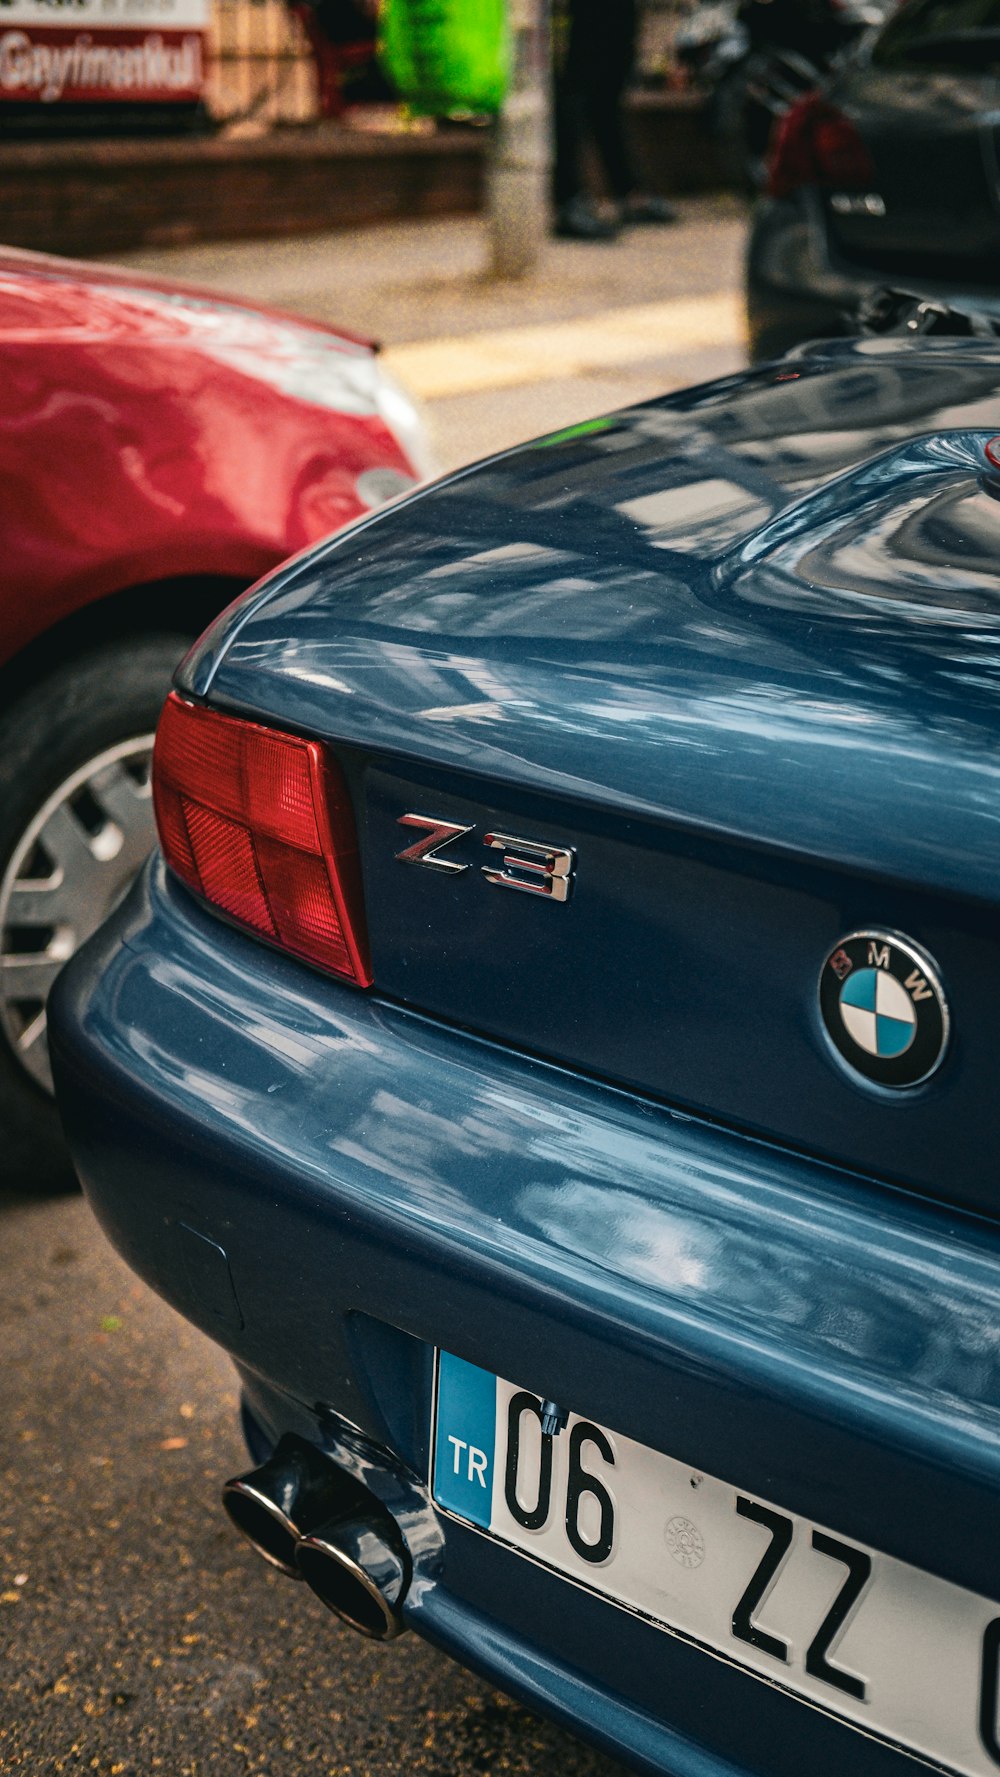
x,y
904,1656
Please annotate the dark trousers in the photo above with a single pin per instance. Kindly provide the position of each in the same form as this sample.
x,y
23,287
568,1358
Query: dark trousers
x,y
588,99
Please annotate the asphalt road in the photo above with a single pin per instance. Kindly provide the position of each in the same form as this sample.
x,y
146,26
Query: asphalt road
x,y
137,1633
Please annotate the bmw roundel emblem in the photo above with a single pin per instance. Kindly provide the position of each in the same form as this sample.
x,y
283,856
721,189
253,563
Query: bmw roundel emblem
x,y
884,1008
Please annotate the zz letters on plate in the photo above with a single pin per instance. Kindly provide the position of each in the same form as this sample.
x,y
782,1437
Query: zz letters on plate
x,y
580,1500
859,1567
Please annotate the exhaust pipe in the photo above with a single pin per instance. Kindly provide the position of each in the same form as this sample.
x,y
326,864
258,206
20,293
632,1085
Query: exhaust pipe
x,y
359,1566
311,1521
271,1504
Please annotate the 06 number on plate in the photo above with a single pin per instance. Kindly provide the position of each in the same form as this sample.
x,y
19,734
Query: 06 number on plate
x,y
580,1483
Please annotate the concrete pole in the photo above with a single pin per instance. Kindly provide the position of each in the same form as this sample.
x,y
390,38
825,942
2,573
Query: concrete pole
x,y
519,177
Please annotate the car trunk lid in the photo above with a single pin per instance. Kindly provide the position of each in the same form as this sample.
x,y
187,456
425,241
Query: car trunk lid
x,y
924,106
734,657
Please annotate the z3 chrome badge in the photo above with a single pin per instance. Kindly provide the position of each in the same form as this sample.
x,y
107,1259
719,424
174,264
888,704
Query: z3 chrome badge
x,y
884,1008
530,866
436,835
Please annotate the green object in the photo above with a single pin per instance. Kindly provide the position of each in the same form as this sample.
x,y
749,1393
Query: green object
x,y
447,56
582,429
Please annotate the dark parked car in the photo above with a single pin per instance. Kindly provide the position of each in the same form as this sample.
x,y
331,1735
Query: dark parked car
x,y
753,59
890,174
555,1054
160,449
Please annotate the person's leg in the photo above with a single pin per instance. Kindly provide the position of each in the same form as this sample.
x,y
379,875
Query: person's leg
x,y
575,216
607,53
612,59
570,120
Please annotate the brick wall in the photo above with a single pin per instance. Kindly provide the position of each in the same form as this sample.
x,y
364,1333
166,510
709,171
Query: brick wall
x,y
86,197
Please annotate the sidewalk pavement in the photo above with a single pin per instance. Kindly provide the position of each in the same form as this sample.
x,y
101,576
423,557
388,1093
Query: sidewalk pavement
x,y
599,325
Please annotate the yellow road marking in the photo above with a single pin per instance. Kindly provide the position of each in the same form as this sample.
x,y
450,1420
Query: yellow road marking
x,y
434,368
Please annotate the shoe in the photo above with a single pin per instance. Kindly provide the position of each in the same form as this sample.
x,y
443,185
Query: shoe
x,y
639,210
577,221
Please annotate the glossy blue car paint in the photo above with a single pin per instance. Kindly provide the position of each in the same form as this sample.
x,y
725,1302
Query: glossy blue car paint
x,y
382,1184
738,649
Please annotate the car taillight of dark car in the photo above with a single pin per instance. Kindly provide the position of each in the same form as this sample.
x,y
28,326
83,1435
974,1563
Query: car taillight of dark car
x,y
259,824
815,144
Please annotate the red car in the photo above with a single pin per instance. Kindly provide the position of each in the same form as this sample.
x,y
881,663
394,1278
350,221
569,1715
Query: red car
x,y
160,449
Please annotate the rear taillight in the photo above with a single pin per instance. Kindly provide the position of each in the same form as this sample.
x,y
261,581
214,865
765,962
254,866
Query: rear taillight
x,y
815,144
259,824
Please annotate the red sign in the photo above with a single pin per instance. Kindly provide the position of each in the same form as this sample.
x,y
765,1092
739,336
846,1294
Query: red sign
x,y
51,63
102,49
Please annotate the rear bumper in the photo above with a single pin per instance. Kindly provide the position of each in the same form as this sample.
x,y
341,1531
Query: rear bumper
x,y
800,288
331,1187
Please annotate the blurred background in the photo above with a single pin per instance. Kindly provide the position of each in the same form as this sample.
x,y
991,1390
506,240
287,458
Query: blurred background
x,y
289,168
406,173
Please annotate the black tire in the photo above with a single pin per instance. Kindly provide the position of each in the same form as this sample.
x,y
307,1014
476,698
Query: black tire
x,y
107,696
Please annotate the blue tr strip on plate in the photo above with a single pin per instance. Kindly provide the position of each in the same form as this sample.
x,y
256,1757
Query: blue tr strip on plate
x,y
464,1447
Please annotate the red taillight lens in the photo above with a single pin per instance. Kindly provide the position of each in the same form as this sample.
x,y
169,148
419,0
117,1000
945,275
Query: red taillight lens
x,y
815,144
260,824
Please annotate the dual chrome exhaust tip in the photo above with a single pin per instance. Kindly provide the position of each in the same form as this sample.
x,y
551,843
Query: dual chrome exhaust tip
x,y
316,1523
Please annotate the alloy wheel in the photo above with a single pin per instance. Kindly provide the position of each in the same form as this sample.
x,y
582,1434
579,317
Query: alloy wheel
x,y
69,869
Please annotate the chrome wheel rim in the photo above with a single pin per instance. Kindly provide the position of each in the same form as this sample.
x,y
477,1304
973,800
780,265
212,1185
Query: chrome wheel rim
x,y
69,869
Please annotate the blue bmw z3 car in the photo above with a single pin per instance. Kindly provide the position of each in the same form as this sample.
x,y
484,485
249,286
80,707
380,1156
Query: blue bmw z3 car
x,y
555,1052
